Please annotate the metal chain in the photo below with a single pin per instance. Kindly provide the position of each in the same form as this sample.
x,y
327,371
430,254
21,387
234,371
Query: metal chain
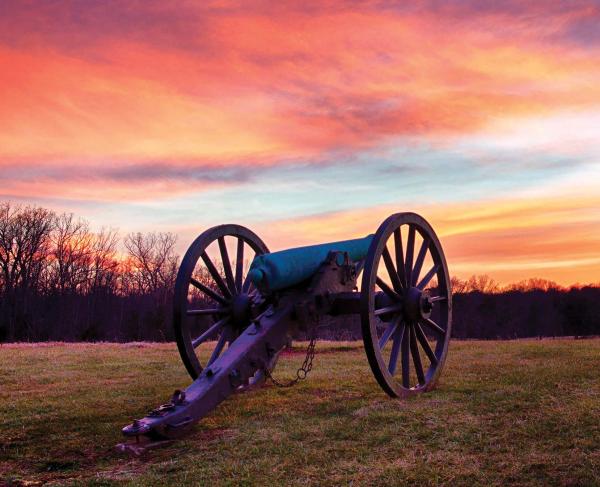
x,y
303,371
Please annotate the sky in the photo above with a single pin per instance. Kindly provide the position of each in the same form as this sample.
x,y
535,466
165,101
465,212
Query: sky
x,y
313,121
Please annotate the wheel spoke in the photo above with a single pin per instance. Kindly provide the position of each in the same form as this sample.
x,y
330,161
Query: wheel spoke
x,y
433,325
208,333
410,250
405,360
387,259
387,289
388,309
207,311
239,265
360,266
389,331
397,340
215,275
399,255
435,299
419,262
432,272
226,264
425,344
218,349
414,350
208,291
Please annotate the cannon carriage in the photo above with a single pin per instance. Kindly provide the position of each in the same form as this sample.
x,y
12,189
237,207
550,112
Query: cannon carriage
x,y
232,320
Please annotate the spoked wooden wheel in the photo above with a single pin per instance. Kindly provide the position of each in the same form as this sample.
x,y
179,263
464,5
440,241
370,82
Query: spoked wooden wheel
x,y
406,305
213,300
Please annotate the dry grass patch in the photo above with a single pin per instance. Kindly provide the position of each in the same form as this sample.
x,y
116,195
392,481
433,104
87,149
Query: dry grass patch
x,y
520,412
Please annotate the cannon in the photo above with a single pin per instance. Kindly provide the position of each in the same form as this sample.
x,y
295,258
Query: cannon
x,y
232,320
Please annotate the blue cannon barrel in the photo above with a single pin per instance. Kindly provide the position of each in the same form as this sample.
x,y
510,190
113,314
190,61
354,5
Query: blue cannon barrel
x,y
286,268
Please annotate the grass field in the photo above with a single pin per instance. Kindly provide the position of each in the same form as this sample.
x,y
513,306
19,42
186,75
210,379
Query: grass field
x,y
519,412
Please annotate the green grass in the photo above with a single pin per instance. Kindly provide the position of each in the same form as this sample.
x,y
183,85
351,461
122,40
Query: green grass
x,y
518,412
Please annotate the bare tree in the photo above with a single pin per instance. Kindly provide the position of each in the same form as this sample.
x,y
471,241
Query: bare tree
x,y
152,261
72,255
532,284
482,284
104,266
24,247
458,285
24,244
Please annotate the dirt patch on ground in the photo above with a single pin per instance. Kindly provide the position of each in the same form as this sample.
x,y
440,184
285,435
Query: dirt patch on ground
x,y
366,410
126,470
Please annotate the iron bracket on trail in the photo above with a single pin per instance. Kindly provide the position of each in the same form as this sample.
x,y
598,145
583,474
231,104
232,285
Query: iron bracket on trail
x,y
231,322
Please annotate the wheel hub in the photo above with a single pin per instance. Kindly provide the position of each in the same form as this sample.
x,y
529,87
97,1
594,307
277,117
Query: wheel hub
x,y
426,304
240,309
417,304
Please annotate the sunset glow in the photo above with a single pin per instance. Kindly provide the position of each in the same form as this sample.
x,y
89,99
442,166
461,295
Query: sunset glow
x,y
313,122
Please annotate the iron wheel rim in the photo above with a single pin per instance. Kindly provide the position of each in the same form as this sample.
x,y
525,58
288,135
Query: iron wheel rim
x,y
233,282
411,335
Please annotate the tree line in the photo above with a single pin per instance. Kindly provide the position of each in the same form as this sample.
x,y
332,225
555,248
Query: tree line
x,y
59,280
484,309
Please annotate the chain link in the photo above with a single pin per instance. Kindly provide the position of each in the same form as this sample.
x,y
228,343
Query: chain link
x,y
303,371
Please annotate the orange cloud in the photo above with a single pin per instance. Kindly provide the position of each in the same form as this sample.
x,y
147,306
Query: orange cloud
x,y
54,107
273,87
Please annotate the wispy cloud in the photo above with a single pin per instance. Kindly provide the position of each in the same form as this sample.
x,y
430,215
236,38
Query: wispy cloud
x,y
283,86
